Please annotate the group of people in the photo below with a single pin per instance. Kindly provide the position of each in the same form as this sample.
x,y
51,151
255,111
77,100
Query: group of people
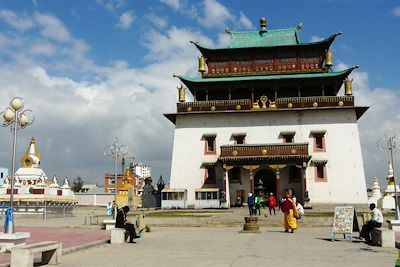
x,y
291,209
254,204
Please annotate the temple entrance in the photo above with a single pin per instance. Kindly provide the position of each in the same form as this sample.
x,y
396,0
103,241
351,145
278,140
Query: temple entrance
x,y
265,183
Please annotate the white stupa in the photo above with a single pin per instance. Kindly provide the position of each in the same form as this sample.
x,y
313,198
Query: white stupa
x,y
376,192
388,202
30,172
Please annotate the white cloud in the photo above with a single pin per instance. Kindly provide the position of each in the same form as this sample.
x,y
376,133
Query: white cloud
x,y
111,5
126,19
16,21
174,4
214,14
52,27
158,21
396,11
77,115
315,39
245,21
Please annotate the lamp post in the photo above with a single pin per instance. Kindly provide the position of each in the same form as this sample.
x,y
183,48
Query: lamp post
x,y
114,151
391,143
17,119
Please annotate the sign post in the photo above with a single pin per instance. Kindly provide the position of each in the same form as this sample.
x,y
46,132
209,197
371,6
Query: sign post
x,y
345,222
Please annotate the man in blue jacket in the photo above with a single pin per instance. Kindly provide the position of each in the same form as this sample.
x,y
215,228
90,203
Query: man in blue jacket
x,y
250,203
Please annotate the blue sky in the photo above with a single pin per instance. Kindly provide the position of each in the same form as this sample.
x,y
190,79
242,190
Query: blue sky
x,y
96,69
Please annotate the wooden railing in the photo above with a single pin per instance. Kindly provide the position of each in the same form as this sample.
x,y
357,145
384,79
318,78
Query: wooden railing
x,y
280,103
264,150
314,101
215,105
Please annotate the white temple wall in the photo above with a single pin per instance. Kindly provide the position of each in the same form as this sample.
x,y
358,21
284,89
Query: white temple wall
x,y
345,172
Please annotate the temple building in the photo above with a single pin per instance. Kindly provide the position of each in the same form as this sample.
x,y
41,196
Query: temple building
x,y
266,115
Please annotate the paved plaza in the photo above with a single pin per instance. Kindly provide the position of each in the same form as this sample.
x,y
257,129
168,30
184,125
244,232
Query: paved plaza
x,y
227,247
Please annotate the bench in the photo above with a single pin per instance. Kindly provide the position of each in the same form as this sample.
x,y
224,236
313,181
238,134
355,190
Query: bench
x,y
118,235
383,237
109,224
22,256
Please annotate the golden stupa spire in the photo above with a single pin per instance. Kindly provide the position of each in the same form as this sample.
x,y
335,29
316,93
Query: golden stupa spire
x,y
32,157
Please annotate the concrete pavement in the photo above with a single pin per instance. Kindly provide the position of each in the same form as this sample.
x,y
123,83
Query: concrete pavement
x,y
226,247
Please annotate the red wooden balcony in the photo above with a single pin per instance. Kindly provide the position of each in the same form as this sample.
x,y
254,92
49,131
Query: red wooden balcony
x,y
257,150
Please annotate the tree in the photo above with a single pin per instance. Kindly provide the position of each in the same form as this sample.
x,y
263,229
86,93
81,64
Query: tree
x,y
77,184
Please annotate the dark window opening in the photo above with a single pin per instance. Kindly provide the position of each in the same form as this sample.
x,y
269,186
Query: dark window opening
x,y
320,172
288,139
239,140
319,142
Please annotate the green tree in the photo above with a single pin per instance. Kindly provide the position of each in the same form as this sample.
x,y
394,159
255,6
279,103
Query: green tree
x,y
77,184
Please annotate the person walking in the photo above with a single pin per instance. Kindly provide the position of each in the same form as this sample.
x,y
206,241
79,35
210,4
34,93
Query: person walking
x,y
258,205
271,203
290,213
250,203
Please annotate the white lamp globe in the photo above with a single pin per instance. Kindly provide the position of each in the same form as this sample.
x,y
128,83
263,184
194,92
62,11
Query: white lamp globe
x,y
9,115
17,103
24,121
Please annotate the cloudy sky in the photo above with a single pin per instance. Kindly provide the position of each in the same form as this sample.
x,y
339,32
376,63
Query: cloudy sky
x,y
92,70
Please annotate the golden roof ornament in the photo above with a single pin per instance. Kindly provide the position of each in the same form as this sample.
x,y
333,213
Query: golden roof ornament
x,y
348,86
328,58
202,64
32,157
263,24
181,93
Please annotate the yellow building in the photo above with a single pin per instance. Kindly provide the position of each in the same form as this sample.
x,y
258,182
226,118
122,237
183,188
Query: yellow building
x,y
130,183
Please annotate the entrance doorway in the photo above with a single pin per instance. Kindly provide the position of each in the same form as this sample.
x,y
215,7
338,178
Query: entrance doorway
x,y
265,182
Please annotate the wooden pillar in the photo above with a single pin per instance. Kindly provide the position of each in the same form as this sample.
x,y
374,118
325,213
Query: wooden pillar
x,y
251,181
323,90
206,94
252,95
276,93
278,181
229,94
226,185
298,91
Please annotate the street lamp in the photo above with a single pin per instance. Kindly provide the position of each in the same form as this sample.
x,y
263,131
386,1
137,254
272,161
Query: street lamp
x,y
391,143
17,119
115,151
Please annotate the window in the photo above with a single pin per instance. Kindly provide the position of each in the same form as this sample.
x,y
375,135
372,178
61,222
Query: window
x,y
319,140
320,170
239,140
288,139
210,145
111,190
1,176
111,180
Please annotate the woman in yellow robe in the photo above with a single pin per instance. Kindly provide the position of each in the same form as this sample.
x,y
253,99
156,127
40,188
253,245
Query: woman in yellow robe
x,y
290,213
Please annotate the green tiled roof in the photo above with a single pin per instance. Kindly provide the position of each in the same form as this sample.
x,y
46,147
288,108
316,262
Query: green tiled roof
x,y
279,37
345,72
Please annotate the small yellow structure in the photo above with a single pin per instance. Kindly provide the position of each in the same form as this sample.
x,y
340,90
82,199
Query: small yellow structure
x,y
130,182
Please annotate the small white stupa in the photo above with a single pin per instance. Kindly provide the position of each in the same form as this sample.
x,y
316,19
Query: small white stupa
x,y
376,192
388,202
66,189
30,171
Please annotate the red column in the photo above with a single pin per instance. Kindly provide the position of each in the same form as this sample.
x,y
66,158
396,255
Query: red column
x,y
251,181
278,180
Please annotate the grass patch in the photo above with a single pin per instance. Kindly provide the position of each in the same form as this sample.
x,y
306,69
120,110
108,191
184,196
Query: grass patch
x,y
178,214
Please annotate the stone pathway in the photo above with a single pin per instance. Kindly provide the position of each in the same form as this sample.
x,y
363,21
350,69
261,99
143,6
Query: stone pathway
x,y
72,239
227,247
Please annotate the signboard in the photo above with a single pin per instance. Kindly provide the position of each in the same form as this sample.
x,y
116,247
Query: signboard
x,y
345,222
